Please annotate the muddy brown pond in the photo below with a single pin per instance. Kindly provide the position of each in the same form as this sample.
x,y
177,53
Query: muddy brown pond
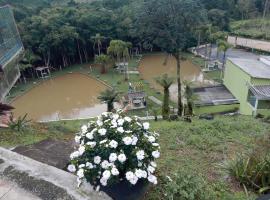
x,y
154,65
66,97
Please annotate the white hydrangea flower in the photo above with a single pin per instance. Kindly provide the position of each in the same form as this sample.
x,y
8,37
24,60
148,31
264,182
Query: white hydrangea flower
x,y
71,168
106,174
114,123
128,131
155,144
89,165
120,122
105,114
144,174
99,123
91,144
151,169
115,171
78,139
138,173
151,139
129,175
81,165
84,129
140,155
103,141
81,150
113,157
146,125
80,173
75,154
122,157
128,119
134,140
127,140
102,131
120,129
97,159
153,164
90,135
115,116
113,144
105,164
134,180
103,181
151,178
156,154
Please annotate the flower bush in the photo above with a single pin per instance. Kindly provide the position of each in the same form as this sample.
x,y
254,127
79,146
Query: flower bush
x,y
114,148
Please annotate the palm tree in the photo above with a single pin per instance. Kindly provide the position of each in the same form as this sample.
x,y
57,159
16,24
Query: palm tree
x,y
223,46
165,81
120,50
190,98
103,60
97,39
109,96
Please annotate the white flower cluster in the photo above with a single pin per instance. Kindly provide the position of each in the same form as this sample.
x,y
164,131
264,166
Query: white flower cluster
x,y
115,147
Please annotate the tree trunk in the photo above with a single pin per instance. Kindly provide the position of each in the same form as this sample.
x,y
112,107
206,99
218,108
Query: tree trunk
x,y
179,87
99,52
85,55
110,106
265,8
79,51
165,106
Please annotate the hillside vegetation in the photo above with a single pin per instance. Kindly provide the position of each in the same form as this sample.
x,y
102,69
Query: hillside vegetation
x,y
252,28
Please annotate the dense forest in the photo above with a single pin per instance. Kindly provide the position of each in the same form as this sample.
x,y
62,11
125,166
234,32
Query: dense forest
x,y
64,32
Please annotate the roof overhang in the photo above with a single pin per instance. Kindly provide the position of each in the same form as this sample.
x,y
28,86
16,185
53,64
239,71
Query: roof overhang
x,y
261,92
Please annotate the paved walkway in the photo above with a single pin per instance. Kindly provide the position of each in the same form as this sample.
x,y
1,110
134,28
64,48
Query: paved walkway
x,y
10,191
28,179
52,152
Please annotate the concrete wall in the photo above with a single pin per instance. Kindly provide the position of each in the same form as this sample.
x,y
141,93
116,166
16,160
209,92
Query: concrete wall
x,y
238,81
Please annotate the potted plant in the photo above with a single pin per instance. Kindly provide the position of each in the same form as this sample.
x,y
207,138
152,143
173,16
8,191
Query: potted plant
x,y
115,150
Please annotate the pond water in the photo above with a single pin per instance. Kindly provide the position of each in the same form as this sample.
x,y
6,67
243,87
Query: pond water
x,y
66,97
154,65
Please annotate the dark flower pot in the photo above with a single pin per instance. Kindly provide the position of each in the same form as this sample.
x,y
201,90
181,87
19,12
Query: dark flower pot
x,y
125,191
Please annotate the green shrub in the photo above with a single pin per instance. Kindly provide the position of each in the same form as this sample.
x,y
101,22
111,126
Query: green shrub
x,y
187,185
252,169
20,124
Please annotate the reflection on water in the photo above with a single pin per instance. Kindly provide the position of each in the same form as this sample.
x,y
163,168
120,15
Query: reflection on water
x,y
65,97
152,66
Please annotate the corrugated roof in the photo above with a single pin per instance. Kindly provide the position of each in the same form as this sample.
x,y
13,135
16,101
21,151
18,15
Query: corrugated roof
x,y
254,68
261,92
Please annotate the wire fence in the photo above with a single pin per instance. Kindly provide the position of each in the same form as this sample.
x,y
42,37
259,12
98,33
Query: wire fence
x,y
10,48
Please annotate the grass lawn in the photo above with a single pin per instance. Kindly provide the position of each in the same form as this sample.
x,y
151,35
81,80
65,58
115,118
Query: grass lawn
x,y
202,146
214,75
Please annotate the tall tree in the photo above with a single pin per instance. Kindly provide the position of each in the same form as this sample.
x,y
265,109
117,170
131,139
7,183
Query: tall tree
x,y
223,46
165,81
170,25
97,40
120,50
